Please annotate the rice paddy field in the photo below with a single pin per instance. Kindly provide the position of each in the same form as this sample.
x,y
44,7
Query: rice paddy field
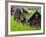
x,y
18,26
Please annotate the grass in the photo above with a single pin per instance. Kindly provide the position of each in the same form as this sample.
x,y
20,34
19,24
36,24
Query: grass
x,y
18,26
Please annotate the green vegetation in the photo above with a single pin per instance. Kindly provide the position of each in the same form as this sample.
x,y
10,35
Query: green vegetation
x,y
18,26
